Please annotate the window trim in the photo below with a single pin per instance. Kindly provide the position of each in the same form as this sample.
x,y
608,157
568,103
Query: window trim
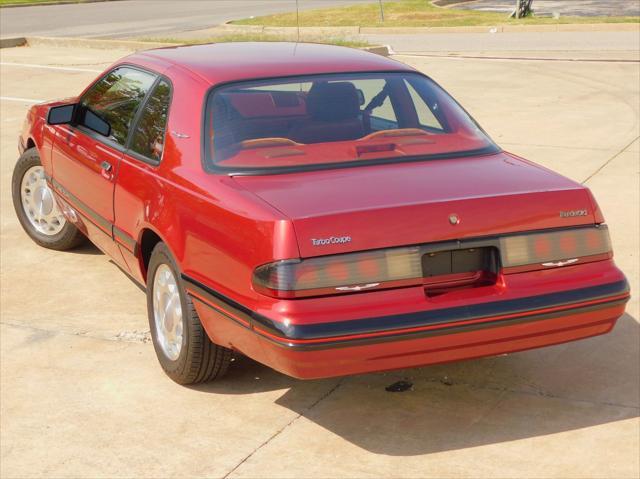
x,y
98,137
211,167
136,119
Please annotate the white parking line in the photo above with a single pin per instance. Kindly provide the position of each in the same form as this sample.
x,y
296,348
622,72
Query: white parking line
x,y
48,67
21,100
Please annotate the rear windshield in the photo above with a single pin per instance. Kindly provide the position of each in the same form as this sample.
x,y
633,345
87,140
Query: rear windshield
x,y
336,120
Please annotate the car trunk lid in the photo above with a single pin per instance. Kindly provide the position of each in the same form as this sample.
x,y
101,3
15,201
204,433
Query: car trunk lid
x,y
354,209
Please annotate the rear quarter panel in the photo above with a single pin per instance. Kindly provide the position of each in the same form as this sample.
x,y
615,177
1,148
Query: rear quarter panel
x,y
217,231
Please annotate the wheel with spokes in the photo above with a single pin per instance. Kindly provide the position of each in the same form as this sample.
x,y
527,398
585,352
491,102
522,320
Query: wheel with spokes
x,y
182,346
36,206
167,312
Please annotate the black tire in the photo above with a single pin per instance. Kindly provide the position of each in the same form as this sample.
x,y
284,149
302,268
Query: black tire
x,y
68,237
199,359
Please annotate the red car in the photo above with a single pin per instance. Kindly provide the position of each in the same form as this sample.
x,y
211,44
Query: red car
x,y
322,210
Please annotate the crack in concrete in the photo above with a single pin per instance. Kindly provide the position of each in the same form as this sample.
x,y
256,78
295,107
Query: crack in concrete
x,y
606,163
537,391
279,431
132,336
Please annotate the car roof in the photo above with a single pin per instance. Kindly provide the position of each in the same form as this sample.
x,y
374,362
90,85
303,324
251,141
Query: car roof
x,y
226,62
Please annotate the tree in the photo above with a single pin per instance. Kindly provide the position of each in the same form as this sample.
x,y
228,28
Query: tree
x,y
523,9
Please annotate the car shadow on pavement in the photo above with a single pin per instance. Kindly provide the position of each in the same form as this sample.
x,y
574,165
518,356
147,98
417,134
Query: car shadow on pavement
x,y
469,403
87,248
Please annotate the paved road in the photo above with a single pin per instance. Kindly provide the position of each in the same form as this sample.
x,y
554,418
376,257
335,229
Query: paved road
x,y
141,17
583,8
81,393
581,42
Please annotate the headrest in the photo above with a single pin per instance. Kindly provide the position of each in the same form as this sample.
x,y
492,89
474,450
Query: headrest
x,y
333,101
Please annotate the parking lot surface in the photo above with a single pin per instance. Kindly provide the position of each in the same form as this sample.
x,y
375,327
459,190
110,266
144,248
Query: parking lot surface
x,y
82,395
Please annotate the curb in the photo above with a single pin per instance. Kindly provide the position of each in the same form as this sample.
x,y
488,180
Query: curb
x,y
286,31
95,43
463,56
53,2
383,50
449,3
12,42
356,30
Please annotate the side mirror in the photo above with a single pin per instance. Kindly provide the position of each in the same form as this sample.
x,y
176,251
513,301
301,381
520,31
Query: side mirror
x,y
96,123
61,115
360,94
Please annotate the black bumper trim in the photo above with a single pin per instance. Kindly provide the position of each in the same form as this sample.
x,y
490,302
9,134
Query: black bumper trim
x,y
125,240
387,324
463,328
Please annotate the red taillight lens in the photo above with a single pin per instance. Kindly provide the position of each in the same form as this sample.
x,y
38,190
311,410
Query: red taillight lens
x,y
396,267
340,273
553,249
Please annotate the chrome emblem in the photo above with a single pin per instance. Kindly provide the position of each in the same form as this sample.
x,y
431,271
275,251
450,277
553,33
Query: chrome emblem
x,y
560,263
573,213
182,136
454,219
330,240
357,288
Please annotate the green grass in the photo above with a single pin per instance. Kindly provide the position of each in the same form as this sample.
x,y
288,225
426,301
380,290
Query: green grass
x,y
44,2
258,37
412,13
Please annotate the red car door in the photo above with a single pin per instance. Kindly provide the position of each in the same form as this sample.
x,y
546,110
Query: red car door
x,y
86,155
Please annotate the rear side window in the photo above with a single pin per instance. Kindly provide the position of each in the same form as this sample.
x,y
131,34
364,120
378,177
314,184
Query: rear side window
x,y
426,117
327,120
149,134
115,99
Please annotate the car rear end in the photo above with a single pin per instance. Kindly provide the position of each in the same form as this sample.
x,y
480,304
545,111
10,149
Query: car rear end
x,y
465,304
470,295
419,240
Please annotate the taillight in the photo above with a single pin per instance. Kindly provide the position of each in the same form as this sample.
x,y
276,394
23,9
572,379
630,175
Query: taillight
x,y
411,266
554,249
340,273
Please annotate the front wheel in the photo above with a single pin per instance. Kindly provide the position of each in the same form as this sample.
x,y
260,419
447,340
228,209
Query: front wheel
x,y
36,206
182,346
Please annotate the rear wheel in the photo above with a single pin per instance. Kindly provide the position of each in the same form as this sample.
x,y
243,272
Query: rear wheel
x,y
36,206
182,346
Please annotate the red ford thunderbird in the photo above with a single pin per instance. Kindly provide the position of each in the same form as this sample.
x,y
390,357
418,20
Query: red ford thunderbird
x,y
322,210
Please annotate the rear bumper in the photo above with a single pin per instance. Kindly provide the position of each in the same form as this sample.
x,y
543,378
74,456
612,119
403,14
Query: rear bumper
x,y
412,339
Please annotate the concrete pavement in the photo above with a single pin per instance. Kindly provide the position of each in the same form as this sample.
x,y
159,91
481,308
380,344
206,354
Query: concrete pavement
x,y
81,393
613,43
141,17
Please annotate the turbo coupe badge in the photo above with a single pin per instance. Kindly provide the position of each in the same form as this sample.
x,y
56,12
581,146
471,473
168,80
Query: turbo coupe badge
x,y
330,240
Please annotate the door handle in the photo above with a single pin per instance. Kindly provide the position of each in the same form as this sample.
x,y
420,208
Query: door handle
x,y
106,166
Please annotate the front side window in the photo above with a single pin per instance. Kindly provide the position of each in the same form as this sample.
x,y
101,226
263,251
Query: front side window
x,y
339,118
113,101
149,134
